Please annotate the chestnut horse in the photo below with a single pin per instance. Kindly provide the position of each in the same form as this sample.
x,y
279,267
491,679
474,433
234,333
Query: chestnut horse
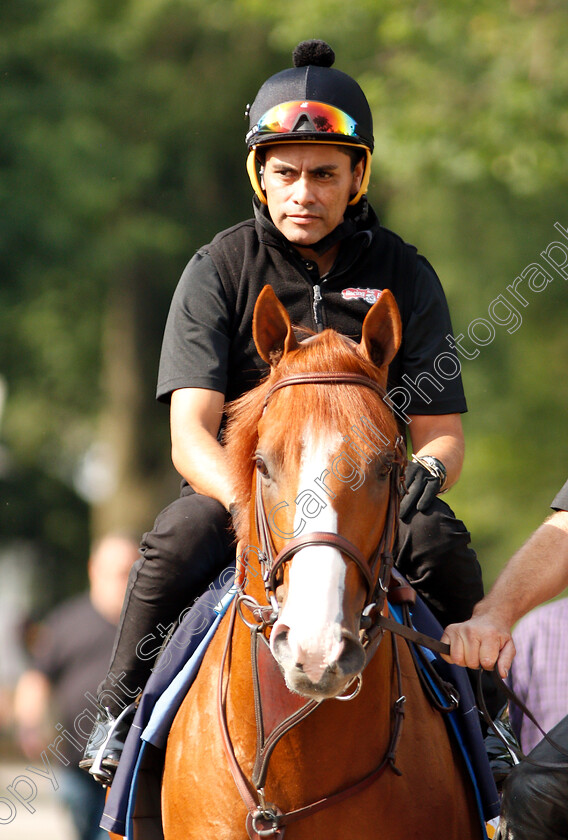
x,y
261,745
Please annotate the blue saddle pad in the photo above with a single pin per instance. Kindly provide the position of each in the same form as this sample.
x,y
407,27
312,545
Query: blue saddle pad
x,y
133,805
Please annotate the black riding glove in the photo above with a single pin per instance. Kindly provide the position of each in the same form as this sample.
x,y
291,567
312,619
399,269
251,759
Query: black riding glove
x,y
422,488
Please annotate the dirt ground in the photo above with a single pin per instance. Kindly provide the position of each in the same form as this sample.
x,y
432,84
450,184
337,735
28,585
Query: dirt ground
x,y
49,821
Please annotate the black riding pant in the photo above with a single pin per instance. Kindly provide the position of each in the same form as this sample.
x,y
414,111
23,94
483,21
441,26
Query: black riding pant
x,y
192,542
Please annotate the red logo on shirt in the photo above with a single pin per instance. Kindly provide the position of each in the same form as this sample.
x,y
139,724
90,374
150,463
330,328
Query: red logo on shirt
x,y
370,295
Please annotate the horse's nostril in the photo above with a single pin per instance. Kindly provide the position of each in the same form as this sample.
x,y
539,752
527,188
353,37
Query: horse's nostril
x,y
278,638
352,658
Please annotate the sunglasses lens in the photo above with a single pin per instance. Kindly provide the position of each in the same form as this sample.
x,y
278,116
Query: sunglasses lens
x,y
306,116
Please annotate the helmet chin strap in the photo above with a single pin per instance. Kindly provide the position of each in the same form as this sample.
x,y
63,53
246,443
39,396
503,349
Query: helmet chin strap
x,y
364,180
253,175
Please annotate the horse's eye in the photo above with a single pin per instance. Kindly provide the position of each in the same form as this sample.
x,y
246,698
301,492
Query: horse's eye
x,y
261,466
384,468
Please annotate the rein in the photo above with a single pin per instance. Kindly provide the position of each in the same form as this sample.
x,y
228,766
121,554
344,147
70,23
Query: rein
x,y
514,698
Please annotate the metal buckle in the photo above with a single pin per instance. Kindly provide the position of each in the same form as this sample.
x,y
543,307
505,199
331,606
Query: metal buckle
x,y
267,816
267,812
259,612
355,691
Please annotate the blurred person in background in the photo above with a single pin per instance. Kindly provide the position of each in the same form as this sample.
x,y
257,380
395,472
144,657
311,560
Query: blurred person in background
x,y
70,655
539,672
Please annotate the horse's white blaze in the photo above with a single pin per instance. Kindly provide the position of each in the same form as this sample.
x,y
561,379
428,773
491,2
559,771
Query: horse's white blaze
x,y
313,609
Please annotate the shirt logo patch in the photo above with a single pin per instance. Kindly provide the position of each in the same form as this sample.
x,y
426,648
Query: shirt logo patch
x,y
369,295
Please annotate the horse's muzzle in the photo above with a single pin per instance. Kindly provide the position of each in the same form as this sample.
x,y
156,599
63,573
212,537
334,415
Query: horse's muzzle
x,y
317,673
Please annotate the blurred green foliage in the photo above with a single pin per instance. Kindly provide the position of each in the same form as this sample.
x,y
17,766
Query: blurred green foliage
x,y
122,151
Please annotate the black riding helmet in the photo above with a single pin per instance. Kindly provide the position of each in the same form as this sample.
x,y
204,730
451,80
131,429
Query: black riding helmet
x,y
310,102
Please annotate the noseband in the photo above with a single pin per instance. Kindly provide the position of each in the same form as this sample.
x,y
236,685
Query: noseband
x,y
374,571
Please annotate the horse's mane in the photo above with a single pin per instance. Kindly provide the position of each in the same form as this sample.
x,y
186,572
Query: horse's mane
x,y
335,407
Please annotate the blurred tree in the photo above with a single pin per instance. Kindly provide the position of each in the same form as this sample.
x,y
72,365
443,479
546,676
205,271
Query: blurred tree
x,y
124,140
41,518
122,152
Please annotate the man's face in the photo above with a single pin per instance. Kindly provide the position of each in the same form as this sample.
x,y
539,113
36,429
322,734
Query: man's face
x,y
308,187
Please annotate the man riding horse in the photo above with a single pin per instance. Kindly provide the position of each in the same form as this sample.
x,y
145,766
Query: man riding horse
x,y
315,239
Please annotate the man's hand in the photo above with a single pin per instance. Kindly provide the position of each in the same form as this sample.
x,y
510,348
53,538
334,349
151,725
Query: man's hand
x,y
422,487
484,641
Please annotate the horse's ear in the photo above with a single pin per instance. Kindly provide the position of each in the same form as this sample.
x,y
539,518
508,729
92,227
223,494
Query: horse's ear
x,y
382,330
271,328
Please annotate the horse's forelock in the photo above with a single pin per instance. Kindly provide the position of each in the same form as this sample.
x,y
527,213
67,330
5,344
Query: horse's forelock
x,y
327,352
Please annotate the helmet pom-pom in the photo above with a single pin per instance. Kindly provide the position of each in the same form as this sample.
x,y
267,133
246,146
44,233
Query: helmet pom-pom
x,y
314,52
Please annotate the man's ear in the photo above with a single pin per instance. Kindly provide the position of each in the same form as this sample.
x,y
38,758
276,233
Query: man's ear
x,y
382,331
358,173
271,328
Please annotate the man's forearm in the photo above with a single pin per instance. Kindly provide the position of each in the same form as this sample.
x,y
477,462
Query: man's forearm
x,y
537,572
195,417
442,437
449,452
203,464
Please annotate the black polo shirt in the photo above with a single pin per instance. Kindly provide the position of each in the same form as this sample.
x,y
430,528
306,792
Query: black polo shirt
x,y
208,337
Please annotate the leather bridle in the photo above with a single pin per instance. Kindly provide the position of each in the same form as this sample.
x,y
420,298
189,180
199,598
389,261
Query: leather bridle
x,y
266,820
375,571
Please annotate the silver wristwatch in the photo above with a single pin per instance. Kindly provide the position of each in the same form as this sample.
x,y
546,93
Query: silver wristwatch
x,y
434,467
